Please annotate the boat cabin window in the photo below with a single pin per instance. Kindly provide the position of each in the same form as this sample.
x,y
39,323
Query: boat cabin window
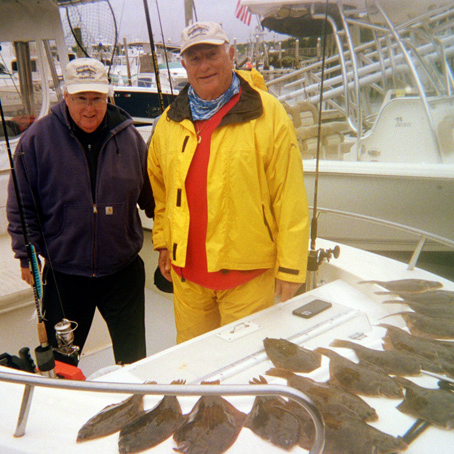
x,y
28,86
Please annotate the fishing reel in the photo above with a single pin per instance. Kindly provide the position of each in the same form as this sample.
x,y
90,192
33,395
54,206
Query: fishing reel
x,y
318,256
64,333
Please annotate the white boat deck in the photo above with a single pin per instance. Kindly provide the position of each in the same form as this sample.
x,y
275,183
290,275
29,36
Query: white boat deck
x,y
233,354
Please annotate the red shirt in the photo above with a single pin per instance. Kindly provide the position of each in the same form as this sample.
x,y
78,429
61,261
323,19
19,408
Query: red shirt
x,y
196,269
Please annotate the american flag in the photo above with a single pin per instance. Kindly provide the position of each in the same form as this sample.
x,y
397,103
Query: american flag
x,y
242,13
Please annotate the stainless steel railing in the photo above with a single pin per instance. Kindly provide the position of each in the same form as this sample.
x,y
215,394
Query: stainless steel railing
x,y
30,381
423,235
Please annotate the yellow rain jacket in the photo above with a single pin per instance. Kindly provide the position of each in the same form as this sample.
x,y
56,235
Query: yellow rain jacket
x,y
257,205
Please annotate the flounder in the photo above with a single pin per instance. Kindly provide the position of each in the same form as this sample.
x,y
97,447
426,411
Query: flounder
x,y
393,362
111,418
287,355
429,297
357,378
438,310
346,434
152,427
432,405
430,327
326,396
271,418
211,427
432,349
406,285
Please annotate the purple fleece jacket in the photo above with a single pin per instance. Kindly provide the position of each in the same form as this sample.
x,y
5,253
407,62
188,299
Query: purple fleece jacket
x,y
74,233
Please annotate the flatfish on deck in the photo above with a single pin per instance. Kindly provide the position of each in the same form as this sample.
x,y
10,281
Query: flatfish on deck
x,y
346,434
152,427
393,362
432,349
357,378
211,427
406,285
432,405
111,418
288,355
429,297
325,395
271,418
430,327
436,309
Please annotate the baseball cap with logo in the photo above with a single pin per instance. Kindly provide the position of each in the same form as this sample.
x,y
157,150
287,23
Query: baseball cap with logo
x,y
202,33
86,74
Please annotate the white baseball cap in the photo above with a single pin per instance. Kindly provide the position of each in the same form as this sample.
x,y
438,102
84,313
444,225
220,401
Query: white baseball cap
x,y
202,33
86,74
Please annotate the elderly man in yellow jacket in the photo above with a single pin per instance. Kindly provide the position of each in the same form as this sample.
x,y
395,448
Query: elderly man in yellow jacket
x,y
231,219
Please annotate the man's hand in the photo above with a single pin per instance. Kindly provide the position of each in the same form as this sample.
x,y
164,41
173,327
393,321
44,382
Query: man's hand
x,y
285,289
26,276
164,264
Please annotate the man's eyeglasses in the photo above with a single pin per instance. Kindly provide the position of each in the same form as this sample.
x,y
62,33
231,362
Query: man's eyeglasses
x,y
84,101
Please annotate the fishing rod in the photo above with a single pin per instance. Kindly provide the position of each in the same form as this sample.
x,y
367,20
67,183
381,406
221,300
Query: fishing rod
x,y
316,257
165,48
153,55
44,353
64,329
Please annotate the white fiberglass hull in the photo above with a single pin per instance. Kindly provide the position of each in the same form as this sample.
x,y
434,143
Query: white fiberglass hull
x,y
415,195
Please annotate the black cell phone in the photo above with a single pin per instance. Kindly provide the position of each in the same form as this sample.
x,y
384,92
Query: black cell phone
x,y
312,308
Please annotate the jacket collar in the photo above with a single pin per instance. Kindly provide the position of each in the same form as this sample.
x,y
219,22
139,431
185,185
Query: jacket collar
x,y
249,106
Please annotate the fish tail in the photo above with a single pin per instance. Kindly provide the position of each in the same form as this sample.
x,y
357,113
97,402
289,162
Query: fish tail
x,y
404,382
385,293
282,373
396,313
325,351
342,343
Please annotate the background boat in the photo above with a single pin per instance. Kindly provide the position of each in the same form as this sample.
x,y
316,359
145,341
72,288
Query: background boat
x,y
387,112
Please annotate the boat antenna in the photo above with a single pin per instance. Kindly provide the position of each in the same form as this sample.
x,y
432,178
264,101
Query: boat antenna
x,y
153,55
44,353
317,256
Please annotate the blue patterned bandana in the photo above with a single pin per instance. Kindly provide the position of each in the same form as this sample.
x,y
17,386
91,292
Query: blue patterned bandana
x,y
203,109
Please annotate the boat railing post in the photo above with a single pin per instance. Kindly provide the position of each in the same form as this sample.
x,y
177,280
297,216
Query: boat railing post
x,y
416,78
24,411
416,253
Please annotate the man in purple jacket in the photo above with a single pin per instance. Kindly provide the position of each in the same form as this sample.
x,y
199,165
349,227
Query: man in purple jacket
x,y
82,173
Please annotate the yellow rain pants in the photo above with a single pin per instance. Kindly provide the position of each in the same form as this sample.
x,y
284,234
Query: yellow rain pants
x,y
199,310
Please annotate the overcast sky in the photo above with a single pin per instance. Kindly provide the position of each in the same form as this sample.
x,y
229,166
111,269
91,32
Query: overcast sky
x,y
132,23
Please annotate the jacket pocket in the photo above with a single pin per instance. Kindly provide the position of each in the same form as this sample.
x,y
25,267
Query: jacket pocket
x,y
72,244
